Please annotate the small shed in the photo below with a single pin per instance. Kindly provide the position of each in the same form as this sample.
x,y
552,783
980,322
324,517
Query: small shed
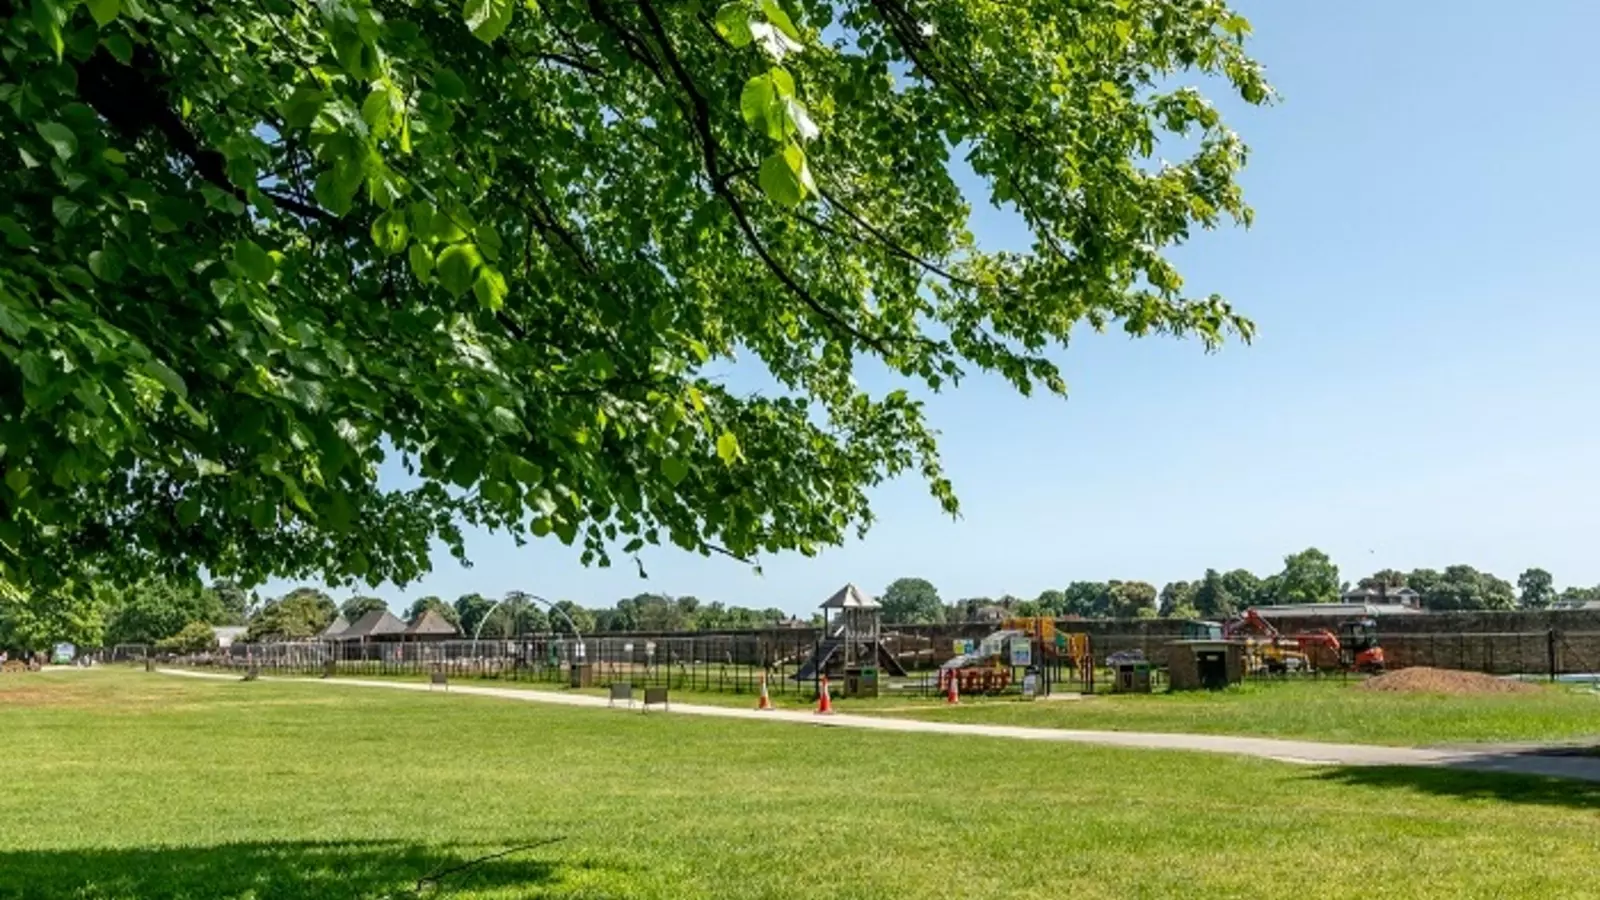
x,y
1131,673
431,626
1208,665
335,628
378,625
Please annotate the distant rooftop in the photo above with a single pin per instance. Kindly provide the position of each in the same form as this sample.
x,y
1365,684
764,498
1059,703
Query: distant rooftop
x,y
1337,609
850,597
378,623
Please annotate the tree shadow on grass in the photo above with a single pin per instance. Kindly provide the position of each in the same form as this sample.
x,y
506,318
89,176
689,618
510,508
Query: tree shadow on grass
x,y
273,870
1473,784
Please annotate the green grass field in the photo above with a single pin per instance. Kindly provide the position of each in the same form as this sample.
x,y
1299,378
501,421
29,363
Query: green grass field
x,y
126,785
1327,710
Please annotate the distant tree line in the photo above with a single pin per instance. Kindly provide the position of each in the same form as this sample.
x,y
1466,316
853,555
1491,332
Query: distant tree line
x,y
179,615
1309,576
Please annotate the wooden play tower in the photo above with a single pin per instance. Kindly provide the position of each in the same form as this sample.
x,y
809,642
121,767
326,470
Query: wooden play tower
x,y
852,644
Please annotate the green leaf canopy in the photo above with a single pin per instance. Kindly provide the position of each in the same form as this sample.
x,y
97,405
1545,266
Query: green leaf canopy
x,y
250,250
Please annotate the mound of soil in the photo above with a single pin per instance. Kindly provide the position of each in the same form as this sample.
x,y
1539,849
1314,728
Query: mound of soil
x,y
1424,680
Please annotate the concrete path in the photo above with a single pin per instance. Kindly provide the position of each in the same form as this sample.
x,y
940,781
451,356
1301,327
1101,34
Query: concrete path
x,y
1487,759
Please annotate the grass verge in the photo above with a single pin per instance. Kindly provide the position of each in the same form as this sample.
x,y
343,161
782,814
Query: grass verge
x,y
128,785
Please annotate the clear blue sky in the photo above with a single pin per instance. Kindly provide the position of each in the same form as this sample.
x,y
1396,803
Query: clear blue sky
x,y
1422,391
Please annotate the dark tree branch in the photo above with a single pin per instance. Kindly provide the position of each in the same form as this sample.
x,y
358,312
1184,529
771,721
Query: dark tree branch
x,y
700,119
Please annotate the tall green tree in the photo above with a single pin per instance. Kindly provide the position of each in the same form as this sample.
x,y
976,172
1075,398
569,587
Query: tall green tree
x,y
249,250
1388,578
1215,599
1243,586
158,608
33,622
1308,577
1536,589
1087,599
1133,599
911,601
358,606
1422,580
423,605
1178,599
471,610
1462,587
302,613
236,603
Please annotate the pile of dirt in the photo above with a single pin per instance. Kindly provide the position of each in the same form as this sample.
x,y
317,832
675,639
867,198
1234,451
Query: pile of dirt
x,y
1424,680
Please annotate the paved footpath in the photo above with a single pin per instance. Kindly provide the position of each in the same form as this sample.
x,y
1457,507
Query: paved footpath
x,y
1488,759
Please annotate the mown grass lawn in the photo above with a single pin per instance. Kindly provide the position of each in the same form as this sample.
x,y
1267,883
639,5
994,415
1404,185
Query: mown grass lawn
x,y
126,785
1327,710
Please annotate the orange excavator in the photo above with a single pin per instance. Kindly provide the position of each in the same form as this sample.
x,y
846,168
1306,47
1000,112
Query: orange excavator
x,y
1355,647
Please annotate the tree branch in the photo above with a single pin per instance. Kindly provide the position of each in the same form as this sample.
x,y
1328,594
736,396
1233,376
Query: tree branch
x,y
700,119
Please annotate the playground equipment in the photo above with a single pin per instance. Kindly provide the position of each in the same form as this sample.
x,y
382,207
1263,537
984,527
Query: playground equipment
x,y
989,666
853,646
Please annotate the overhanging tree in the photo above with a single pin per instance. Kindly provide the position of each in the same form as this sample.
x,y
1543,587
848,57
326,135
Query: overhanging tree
x,y
250,250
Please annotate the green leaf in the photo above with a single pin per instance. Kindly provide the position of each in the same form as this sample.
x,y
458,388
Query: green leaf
x,y
490,289
733,23
188,512
65,209
169,379
106,264
104,11
302,107
256,263
120,47
488,19
457,266
378,112
421,260
35,367
780,179
59,137
675,469
778,17
17,479
449,84
47,19
757,99
504,420
390,233
728,448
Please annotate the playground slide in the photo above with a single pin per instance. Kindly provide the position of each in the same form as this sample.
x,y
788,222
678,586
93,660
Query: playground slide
x,y
826,650
989,647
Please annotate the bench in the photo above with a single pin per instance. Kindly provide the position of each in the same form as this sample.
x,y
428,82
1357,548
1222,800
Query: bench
x,y
621,690
653,695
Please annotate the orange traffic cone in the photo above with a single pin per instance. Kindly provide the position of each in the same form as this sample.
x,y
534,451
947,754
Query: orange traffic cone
x,y
766,701
824,702
952,693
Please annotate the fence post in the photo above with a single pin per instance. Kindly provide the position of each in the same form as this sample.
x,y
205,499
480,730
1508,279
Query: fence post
x,y
1550,651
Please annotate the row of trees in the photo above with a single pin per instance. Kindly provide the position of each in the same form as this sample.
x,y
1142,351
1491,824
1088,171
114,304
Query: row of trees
x,y
1309,576
180,615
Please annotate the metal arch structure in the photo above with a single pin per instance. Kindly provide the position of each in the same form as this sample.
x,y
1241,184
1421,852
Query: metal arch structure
x,y
535,598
